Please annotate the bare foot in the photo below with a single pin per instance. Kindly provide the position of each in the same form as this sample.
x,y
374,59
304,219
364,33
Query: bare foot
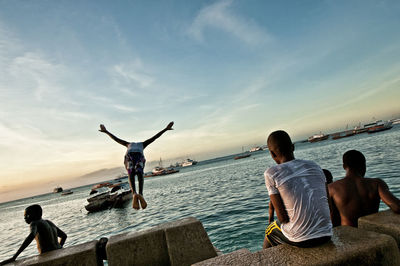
x,y
143,203
135,202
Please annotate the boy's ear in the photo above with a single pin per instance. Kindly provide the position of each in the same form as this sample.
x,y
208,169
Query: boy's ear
x,y
273,154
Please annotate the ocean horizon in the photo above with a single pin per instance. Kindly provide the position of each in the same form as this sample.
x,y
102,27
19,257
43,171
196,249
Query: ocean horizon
x,y
228,196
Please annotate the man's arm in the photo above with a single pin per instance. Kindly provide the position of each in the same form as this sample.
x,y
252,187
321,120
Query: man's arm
x,y
335,215
150,140
120,141
279,207
26,243
270,212
387,197
61,235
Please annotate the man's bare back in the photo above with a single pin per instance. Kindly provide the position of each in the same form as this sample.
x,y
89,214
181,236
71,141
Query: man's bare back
x,y
46,235
355,196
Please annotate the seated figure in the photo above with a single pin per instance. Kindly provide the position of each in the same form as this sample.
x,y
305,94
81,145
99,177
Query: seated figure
x,y
355,196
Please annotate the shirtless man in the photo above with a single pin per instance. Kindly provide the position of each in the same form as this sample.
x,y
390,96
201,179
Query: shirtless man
x,y
297,191
44,232
355,196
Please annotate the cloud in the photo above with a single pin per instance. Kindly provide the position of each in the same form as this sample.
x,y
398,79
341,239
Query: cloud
x,y
37,73
125,108
219,16
133,72
9,46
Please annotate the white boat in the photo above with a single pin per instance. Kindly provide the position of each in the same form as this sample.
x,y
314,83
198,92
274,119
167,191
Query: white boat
x,y
257,148
188,162
160,170
395,121
318,137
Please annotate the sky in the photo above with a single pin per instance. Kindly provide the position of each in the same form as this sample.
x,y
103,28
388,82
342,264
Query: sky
x,y
226,72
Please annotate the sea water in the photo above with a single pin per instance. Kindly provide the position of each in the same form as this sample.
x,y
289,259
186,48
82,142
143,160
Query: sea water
x,y
228,196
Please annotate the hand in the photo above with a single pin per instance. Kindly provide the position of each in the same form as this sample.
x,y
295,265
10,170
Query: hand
x,y
103,128
7,261
169,127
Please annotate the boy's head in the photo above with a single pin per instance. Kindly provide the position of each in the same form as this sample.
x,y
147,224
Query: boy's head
x,y
33,213
354,160
280,146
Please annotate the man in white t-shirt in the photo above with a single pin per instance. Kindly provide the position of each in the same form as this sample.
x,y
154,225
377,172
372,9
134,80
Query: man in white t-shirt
x,y
297,190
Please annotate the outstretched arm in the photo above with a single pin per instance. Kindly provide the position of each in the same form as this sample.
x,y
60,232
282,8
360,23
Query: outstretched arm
x,y
387,197
279,207
26,243
120,141
150,140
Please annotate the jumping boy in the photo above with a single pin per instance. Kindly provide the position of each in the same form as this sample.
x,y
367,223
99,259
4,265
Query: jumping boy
x,y
44,232
135,161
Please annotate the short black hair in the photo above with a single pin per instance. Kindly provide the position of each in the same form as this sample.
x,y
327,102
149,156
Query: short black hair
x,y
281,140
354,159
34,212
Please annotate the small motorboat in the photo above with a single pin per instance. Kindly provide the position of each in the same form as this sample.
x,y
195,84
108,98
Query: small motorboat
x,y
242,156
107,197
67,192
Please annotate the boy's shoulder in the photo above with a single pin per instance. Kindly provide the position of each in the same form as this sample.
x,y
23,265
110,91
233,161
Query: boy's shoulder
x,y
41,222
306,162
291,166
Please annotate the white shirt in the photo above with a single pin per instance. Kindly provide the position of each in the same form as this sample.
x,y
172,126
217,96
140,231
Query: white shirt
x,y
135,147
301,185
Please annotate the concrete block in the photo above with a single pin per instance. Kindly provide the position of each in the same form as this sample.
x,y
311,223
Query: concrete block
x,y
187,242
349,246
385,222
83,254
219,252
235,258
146,247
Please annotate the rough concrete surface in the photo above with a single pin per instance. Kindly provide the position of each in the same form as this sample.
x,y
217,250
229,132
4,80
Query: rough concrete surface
x,y
349,246
385,222
235,258
82,254
180,242
147,247
187,242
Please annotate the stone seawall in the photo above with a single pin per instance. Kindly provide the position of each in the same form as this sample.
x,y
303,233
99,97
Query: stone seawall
x,y
185,242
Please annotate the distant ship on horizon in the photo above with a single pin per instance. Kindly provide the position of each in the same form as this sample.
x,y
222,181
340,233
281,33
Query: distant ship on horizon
x,y
188,162
318,137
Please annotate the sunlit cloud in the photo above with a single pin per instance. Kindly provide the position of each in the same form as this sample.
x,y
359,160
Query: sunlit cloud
x,y
219,16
